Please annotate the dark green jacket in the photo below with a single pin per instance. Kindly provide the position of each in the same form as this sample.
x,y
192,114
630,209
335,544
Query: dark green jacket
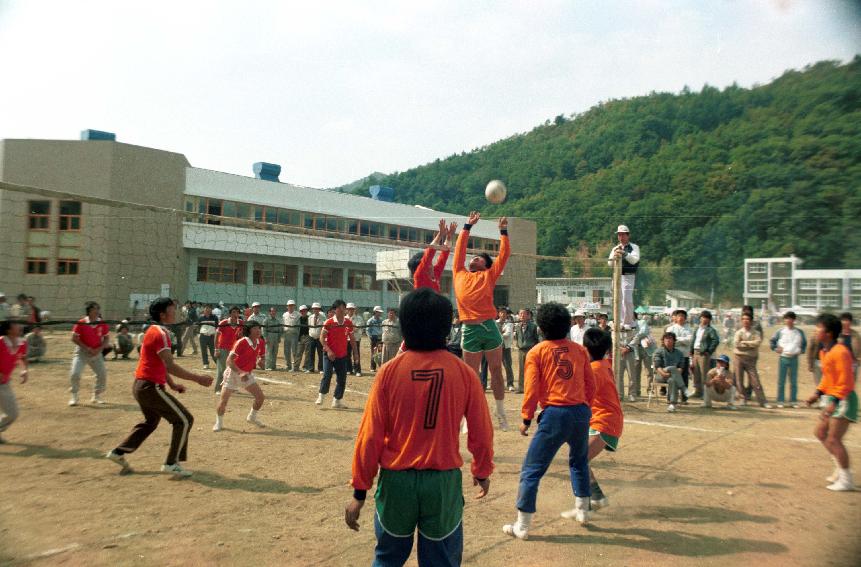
x,y
710,340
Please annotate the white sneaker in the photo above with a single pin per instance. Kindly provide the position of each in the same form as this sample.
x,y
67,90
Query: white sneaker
x,y
843,483
599,503
671,408
97,399
175,470
731,406
794,406
319,400
206,367
255,420
780,406
632,398
502,421
120,460
511,388
73,401
358,374
217,427
515,530
338,404
767,406
580,512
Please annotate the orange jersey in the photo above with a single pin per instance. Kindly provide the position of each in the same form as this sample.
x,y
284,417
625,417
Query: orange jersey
x,y
474,290
558,373
420,278
838,377
413,414
607,416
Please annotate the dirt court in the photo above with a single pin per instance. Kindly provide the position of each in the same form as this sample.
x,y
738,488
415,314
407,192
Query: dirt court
x,y
699,487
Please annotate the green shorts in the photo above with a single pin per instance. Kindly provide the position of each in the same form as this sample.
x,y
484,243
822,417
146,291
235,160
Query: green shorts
x,y
610,443
847,408
428,499
481,337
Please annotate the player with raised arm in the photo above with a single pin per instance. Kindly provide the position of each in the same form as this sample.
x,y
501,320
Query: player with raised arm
x,y
473,287
426,272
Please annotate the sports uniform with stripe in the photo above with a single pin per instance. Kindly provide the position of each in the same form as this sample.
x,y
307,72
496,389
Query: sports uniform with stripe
x,y
155,402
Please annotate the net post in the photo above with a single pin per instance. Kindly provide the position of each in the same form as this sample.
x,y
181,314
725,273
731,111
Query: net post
x,y
617,315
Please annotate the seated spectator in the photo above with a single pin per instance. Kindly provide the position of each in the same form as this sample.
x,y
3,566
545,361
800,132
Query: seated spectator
x,y
124,345
669,363
719,385
36,347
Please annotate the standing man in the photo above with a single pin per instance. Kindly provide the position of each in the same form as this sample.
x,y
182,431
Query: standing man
x,y
90,335
188,334
256,314
304,338
706,341
506,327
789,343
272,330
526,336
336,338
630,255
229,331
4,307
375,333
391,337
473,287
578,326
156,369
315,348
208,323
746,343
850,339
292,323
354,348
417,453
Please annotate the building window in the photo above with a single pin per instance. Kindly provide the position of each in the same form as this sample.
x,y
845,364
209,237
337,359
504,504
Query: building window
x,y
807,300
70,215
781,285
266,273
319,276
37,265
288,217
829,285
807,285
856,302
364,280
757,287
39,215
214,208
757,268
67,267
216,270
830,301
856,285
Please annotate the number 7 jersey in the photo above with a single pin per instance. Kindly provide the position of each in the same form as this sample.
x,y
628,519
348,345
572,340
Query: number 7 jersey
x,y
557,373
413,414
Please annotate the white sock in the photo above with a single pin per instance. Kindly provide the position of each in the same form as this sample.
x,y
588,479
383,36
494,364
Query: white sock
x,y
500,407
218,419
524,519
252,414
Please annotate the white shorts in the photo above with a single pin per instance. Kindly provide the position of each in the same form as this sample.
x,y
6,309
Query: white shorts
x,y
233,382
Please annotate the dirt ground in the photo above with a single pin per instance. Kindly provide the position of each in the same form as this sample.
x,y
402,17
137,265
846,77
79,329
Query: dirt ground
x,y
698,487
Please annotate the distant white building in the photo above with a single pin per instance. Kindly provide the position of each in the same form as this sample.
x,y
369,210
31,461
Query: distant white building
x,y
591,294
780,283
681,299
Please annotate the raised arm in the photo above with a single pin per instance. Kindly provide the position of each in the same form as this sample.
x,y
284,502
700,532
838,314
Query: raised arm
x,y
462,241
504,249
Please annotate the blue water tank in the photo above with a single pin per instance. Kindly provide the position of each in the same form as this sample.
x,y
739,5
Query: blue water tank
x,y
267,171
381,193
98,135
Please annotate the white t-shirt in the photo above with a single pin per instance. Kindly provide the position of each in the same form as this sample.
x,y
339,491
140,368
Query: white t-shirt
x,y
577,333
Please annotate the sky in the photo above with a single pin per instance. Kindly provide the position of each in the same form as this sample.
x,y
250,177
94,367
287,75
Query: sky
x,y
333,91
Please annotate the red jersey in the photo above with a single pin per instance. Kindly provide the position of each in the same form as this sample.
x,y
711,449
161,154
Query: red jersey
x,y
337,335
150,366
10,354
227,334
246,353
412,418
421,279
558,373
91,333
607,416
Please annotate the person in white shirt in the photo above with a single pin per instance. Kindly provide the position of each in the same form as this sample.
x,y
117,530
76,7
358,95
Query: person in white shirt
x,y
684,336
290,318
630,255
788,342
218,310
578,326
358,329
506,328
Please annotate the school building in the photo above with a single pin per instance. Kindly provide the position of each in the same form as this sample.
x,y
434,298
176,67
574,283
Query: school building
x,y
119,224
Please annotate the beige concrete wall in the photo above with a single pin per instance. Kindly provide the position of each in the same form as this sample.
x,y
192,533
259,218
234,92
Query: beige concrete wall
x,y
123,249
519,274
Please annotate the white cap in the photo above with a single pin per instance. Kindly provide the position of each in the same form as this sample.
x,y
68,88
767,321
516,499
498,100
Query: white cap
x,y
622,228
579,313
2,294
351,306
291,302
378,309
303,308
255,304
315,305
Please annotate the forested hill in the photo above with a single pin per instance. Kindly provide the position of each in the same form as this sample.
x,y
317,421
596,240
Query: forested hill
x,y
703,179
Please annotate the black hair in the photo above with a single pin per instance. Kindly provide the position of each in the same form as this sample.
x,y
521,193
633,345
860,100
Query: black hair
x,y
597,342
425,320
414,261
89,305
488,261
681,312
233,308
251,324
790,315
706,314
669,335
831,324
159,306
22,296
846,316
554,320
338,303
6,325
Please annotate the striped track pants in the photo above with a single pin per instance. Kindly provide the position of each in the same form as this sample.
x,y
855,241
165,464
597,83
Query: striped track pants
x,y
156,403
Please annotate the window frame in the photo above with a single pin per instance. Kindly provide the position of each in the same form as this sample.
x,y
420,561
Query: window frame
x,y
70,218
69,262
34,259
46,217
